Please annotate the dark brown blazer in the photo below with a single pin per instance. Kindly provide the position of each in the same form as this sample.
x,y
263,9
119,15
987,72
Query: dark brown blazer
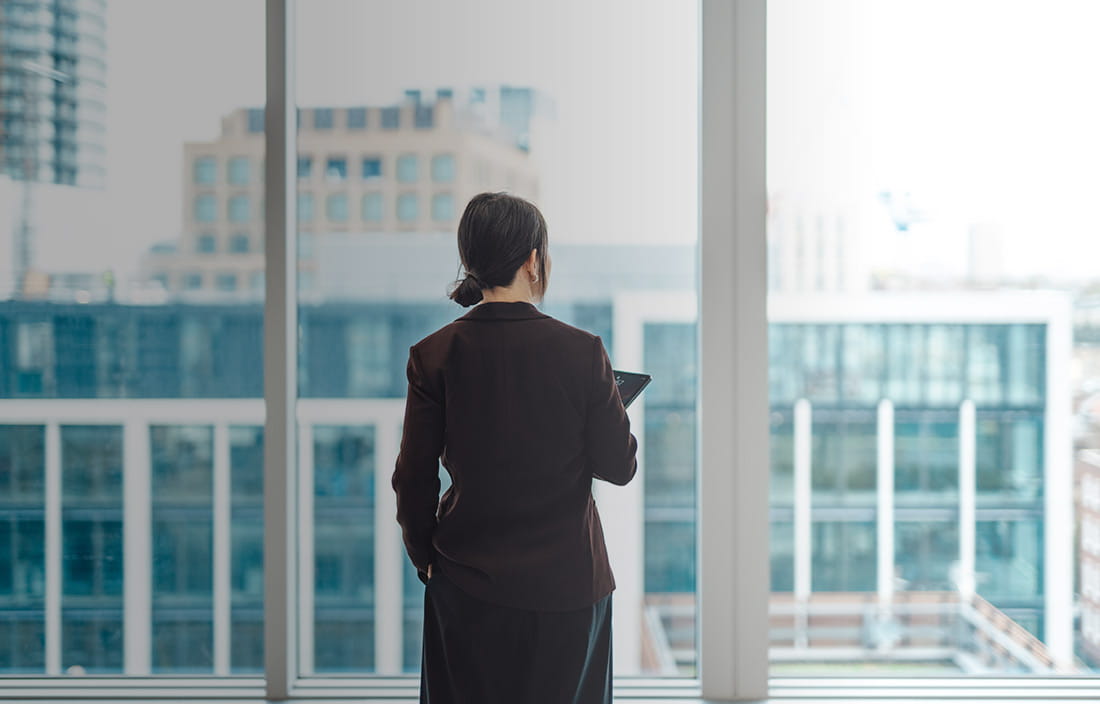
x,y
524,412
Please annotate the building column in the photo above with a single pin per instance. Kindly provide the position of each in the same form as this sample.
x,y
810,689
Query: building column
x,y
306,565
53,557
389,554
137,529
222,591
622,508
885,523
803,520
1058,503
968,491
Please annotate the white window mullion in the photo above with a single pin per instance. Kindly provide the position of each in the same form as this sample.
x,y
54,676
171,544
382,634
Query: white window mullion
x,y
222,546
389,554
306,607
53,548
137,526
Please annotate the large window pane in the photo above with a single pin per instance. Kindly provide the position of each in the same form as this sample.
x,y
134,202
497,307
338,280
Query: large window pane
x,y
932,339
441,128
131,337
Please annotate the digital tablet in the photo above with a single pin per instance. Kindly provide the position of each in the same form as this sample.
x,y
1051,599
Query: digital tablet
x,y
630,385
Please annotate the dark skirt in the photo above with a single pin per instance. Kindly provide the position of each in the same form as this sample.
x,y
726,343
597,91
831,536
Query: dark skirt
x,y
481,653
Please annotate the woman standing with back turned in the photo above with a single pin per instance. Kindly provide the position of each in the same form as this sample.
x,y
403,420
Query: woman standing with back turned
x,y
524,412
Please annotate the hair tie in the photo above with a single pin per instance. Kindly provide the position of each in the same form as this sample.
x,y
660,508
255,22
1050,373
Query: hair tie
x,y
479,282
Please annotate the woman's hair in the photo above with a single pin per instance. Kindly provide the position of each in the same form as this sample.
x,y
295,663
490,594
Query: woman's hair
x,y
495,237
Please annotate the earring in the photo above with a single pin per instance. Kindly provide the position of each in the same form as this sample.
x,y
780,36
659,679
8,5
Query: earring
x,y
534,278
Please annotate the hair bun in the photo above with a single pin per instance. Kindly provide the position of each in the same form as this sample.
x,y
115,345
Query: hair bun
x,y
467,292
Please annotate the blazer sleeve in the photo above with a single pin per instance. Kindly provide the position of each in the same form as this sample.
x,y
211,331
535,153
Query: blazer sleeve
x,y
611,448
416,474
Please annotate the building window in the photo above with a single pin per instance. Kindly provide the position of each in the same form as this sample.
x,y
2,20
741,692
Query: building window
x,y
443,207
357,118
322,119
206,208
239,243
391,118
424,117
336,207
237,171
239,209
207,244
372,167
206,170
408,207
443,168
305,167
256,281
305,245
192,282
336,169
256,120
305,207
227,282
372,207
407,168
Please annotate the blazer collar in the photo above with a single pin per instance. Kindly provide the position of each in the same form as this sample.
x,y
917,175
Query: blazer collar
x,y
495,310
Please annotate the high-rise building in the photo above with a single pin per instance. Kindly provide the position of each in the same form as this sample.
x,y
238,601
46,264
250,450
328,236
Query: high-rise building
x,y
53,111
53,74
402,168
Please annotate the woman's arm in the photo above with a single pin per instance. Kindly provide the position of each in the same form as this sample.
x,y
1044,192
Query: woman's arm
x,y
416,474
612,449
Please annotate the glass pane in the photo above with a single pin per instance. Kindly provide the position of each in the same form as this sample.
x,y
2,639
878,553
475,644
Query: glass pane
x,y
935,387
130,337
565,117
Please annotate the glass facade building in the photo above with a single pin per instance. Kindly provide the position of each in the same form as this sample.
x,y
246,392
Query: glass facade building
x,y
194,467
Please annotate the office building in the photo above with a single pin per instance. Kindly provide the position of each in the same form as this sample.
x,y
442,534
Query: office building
x,y
402,168
147,420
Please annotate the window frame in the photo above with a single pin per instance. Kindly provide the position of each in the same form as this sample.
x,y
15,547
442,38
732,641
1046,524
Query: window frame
x,y
733,519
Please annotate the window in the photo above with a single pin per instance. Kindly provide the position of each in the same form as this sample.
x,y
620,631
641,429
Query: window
x,y
336,169
238,244
372,167
443,168
443,207
192,282
372,208
238,171
391,118
226,282
407,168
408,207
357,118
206,208
239,209
207,244
424,117
336,207
305,207
322,119
206,170
305,167
255,120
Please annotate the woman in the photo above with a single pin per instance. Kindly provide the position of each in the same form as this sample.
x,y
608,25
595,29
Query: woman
x,y
524,411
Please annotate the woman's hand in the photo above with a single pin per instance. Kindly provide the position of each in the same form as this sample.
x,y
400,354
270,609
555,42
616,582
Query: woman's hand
x,y
429,571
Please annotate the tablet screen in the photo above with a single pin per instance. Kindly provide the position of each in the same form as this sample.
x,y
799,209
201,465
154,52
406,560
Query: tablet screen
x,y
630,385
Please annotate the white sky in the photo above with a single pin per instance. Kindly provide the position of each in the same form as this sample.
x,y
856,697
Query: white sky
x,y
984,109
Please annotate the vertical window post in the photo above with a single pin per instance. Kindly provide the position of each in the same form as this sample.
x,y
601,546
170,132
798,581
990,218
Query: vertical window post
x,y
733,485
280,354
